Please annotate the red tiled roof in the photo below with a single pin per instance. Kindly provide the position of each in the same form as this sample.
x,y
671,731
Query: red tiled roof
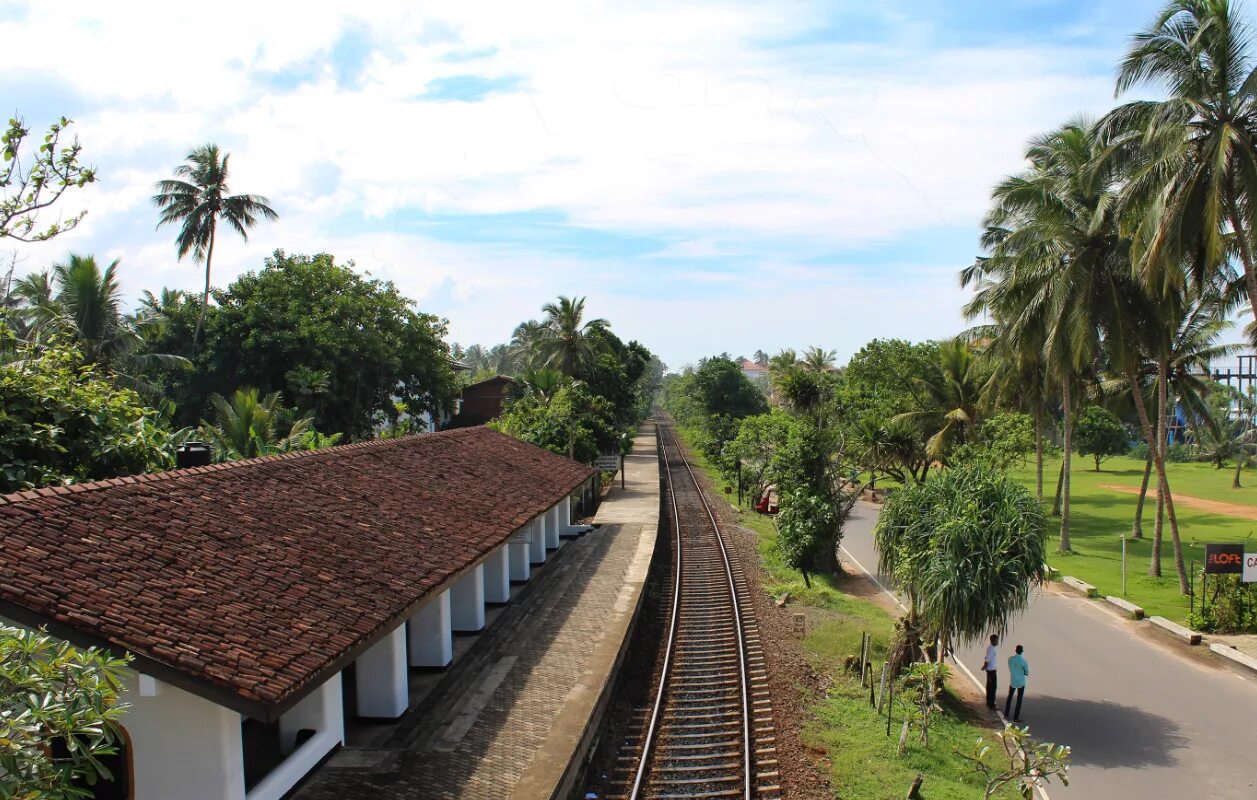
x,y
256,576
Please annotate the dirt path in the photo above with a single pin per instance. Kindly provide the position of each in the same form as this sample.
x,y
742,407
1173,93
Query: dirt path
x,y
1198,503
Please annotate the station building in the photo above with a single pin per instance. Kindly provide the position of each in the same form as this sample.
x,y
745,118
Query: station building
x,y
268,603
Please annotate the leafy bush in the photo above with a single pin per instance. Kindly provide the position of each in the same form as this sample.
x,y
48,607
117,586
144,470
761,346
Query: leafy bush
x,y
809,530
57,709
60,422
1228,606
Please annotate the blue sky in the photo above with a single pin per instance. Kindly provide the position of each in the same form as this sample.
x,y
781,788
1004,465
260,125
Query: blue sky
x,y
719,176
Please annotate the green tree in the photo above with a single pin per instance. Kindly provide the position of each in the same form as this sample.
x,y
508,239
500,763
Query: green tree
x,y
310,313
809,530
755,448
818,359
32,181
966,546
197,199
1100,434
951,391
1022,762
568,341
572,423
1191,158
249,426
80,302
58,712
63,423
1059,269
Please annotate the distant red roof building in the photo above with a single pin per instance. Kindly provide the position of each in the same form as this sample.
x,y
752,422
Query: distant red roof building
x,y
252,582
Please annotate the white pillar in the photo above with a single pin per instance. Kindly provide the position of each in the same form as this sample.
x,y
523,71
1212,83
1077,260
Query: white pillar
x,y
497,576
383,685
430,632
467,602
320,711
520,568
537,545
551,518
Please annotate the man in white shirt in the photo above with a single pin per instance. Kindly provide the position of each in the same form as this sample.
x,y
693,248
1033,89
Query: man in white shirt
x,y
988,666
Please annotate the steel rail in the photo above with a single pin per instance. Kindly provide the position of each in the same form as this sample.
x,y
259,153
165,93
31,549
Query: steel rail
x,y
653,728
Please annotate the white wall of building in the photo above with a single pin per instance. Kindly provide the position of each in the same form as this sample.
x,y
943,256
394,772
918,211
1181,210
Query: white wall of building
x,y
383,683
182,745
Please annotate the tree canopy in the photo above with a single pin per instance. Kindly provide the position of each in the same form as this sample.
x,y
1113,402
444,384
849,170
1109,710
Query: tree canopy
x,y
345,346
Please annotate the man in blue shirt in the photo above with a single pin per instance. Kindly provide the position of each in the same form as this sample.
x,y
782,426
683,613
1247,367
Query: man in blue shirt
x,y
1018,671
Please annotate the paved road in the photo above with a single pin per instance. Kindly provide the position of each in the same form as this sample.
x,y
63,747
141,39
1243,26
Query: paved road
x,y
1144,720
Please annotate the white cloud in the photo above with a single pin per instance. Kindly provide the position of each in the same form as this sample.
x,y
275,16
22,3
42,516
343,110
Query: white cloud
x,y
655,119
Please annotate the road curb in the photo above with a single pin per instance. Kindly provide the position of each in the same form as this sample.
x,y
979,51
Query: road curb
x,y
1080,586
1130,609
1243,660
1178,631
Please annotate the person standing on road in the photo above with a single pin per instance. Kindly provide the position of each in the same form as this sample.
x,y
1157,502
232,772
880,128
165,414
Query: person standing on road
x,y
988,666
1018,671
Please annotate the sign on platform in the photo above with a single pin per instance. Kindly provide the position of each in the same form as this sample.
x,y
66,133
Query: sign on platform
x,y
607,463
1250,568
1224,559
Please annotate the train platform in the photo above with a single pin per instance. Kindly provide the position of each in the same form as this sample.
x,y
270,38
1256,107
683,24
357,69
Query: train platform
x,y
520,703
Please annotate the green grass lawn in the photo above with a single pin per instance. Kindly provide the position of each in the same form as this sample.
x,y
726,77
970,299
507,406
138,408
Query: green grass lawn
x,y
1099,517
860,757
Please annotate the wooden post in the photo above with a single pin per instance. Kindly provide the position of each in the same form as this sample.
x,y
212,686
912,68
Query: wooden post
x,y
881,692
890,704
914,793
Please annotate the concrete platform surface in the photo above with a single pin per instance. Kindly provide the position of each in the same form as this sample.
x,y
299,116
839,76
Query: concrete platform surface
x,y
510,716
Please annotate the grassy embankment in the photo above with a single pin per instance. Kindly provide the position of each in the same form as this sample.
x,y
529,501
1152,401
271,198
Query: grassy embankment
x,y
1099,517
860,757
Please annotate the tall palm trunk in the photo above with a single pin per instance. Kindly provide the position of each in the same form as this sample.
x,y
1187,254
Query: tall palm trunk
x,y
1060,480
1163,490
1164,499
209,257
1137,529
1064,546
1239,465
1038,453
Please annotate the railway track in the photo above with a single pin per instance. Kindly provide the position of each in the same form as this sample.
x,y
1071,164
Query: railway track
x,y
709,732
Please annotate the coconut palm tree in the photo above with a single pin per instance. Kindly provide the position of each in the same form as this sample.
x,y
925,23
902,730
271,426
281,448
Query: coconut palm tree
x,y
197,198
952,393
79,301
248,426
568,342
1056,258
818,359
1190,160
526,343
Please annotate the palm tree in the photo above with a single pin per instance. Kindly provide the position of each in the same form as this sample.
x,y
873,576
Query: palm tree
x,y
817,359
1191,159
761,358
540,383
568,343
77,300
951,397
1056,260
248,426
197,198
526,343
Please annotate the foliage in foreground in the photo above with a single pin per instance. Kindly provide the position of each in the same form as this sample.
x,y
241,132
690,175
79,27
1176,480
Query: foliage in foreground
x,y
57,709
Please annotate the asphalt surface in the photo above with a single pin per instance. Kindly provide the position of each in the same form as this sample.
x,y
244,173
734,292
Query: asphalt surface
x,y
1145,719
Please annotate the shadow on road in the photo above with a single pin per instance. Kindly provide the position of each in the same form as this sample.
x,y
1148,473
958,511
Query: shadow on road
x,y
1104,734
